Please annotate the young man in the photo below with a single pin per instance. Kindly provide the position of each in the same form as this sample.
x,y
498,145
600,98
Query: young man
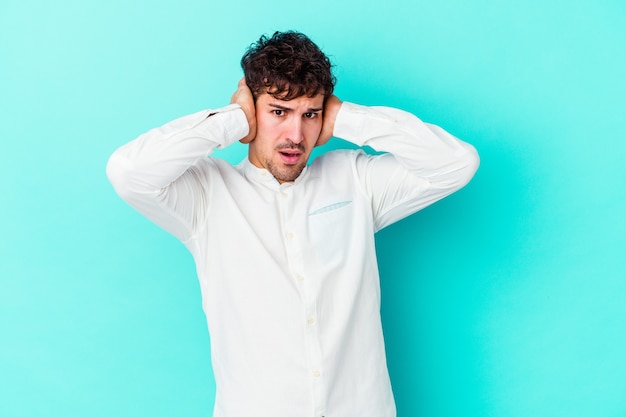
x,y
284,251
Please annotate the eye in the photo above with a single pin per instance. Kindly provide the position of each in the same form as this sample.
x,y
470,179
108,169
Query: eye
x,y
311,115
278,112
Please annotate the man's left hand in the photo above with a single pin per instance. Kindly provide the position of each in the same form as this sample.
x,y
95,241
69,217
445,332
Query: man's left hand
x,y
331,108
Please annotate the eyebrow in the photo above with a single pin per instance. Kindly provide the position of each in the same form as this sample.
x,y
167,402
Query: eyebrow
x,y
279,107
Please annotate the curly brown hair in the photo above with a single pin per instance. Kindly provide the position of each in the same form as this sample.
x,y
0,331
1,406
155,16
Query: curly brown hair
x,y
286,66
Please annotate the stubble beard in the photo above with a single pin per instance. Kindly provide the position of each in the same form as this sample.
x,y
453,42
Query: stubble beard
x,y
286,173
283,172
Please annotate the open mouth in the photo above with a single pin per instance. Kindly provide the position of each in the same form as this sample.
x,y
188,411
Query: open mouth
x,y
290,156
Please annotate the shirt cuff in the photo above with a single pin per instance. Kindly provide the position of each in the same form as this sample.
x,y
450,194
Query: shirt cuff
x,y
350,122
224,125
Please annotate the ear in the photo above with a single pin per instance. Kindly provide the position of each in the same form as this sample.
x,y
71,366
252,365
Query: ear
x,y
246,140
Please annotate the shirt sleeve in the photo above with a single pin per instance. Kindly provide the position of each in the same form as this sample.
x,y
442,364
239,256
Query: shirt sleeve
x,y
160,173
421,163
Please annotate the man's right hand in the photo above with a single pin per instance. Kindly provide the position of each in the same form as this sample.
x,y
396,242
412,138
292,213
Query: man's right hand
x,y
243,97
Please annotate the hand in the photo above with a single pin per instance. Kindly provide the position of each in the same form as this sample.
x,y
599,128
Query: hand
x,y
243,97
331,108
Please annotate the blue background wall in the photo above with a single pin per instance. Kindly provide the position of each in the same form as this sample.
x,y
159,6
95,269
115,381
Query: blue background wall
x,y
506,299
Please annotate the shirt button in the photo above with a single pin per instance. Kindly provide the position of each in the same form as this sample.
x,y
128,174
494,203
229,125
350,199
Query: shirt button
x,y
290,235
316,373
300,277
310,320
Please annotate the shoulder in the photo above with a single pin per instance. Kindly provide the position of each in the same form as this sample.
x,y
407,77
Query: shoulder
x,y
337,159
342,160
210,170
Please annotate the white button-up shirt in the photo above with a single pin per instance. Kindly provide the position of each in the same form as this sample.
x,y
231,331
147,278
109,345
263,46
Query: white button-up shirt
x,y
288,272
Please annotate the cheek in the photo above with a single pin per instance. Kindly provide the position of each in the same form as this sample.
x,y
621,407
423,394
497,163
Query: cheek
x,y
261,123
267,136
312,132
264,130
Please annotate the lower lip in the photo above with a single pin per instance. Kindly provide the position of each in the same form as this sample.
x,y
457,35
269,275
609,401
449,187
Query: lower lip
x,y
290,159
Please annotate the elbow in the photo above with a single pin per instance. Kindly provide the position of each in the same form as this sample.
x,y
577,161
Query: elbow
x,y
472,164
467,165
113,171
119,175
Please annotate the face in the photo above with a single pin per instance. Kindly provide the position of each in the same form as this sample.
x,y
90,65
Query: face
x,y
286,134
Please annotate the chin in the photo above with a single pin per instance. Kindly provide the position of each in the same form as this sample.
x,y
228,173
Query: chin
x,y
287,174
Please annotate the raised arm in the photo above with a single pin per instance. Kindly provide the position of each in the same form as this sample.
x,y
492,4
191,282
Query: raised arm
x,y
160,173
423,163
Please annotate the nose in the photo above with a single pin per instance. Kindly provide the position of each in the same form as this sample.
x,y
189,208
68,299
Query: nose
x,y
295,131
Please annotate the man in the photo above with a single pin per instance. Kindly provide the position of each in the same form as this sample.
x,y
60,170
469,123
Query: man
x,y
284,251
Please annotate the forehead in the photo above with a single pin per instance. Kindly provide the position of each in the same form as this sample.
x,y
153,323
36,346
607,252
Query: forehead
x,y
299,103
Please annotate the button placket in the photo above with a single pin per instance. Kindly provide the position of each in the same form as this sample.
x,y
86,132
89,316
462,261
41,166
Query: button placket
x,y
292,226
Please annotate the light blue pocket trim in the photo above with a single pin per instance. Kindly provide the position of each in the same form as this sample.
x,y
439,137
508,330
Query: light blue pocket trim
x,y
330,208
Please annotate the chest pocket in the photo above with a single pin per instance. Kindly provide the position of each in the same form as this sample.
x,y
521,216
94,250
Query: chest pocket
x,y
329,208
330,229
